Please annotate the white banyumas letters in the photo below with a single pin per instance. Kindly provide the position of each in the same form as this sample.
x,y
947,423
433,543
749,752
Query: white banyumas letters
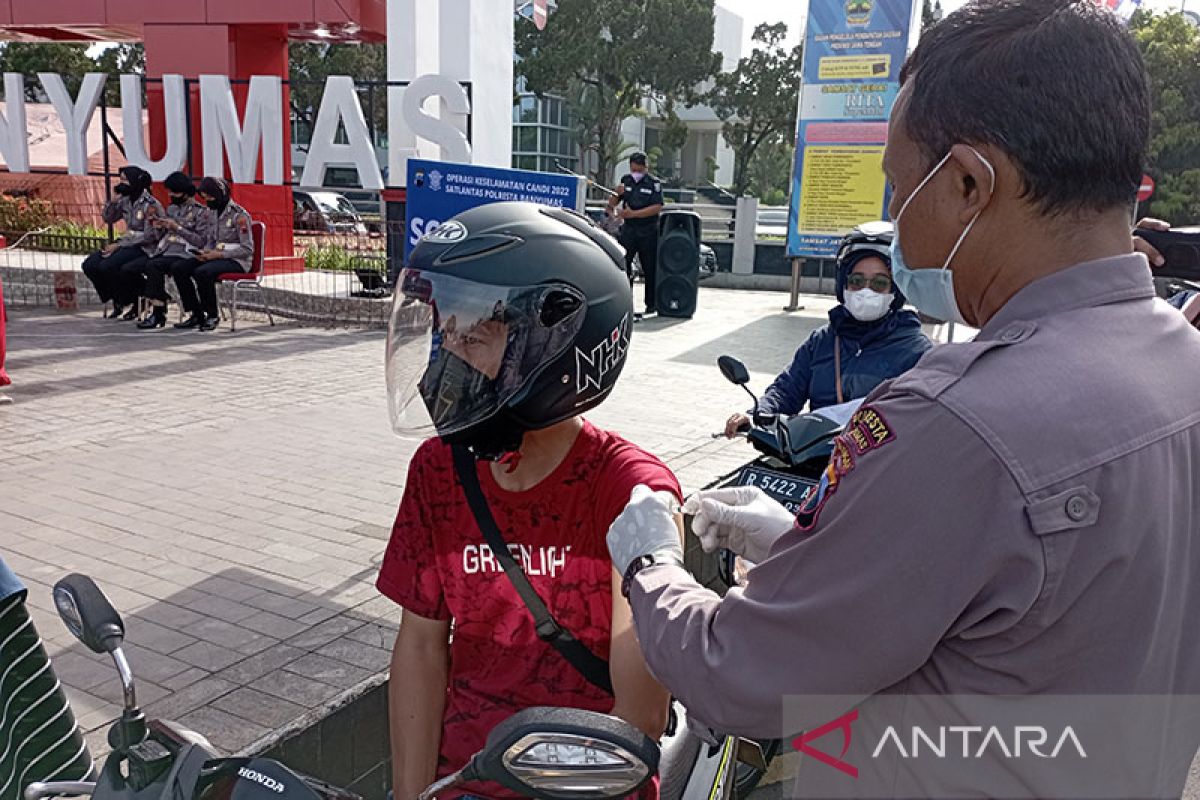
x,y
175,113
14,137
455,146
340,103
223,134
76,115
225,137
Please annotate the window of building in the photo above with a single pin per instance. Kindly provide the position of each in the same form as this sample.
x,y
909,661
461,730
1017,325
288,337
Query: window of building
x,y
529,109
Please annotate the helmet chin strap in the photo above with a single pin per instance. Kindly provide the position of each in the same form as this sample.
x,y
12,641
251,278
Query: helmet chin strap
x,y
499,439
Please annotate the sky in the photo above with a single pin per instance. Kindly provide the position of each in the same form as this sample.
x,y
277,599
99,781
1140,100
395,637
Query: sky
x,y
792,12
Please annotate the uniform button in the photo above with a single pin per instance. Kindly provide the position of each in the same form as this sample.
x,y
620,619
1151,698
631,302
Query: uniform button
x,y
1077,507
1012,334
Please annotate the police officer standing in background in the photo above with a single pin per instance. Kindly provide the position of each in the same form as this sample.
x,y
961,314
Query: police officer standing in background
x,y
1015,516
642,197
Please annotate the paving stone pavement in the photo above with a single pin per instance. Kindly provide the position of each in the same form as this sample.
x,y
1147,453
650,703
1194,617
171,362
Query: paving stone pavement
x,y
232,493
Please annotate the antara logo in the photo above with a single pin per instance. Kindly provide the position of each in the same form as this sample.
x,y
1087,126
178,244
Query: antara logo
x,y
590,368
976,742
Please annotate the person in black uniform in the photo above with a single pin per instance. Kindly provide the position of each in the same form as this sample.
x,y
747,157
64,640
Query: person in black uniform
x,y
642,199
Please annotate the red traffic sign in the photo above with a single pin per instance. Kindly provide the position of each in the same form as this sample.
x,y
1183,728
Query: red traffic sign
x,y
540,14
1146,189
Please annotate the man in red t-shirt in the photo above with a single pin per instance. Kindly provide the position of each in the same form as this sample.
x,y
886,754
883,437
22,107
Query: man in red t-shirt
x,y
509,322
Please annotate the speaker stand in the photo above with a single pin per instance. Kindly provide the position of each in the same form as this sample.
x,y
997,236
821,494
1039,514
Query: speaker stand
x,y
794,302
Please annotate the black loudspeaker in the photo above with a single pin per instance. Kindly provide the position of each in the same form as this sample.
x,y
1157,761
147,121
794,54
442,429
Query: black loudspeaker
x,y
678,281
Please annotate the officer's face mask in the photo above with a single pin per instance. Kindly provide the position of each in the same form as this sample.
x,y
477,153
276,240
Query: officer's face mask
x,y
932,290
637,174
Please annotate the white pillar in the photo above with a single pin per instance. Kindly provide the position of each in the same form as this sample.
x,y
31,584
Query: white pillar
x,y
743,235
464,40
412,51
477,46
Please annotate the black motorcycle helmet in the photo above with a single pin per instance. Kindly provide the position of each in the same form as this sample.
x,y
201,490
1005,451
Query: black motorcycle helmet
x,y
510,317
868,239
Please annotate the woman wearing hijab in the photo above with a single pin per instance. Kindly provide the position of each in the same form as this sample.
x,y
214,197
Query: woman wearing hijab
x,y
182,232
106,268
229,248
869,339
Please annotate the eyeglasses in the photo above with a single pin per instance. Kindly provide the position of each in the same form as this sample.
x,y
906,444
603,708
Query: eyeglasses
x,y
878,283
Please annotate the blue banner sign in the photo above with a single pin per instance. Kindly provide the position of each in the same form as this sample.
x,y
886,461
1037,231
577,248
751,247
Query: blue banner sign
x,y
438,190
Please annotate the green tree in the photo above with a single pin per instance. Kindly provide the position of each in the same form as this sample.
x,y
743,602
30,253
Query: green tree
x,y
127,58
770,172
310,64
1171,49
757,101
608,56
70,61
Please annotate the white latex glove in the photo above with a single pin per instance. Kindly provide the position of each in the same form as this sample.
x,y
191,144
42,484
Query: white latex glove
x,y
646,526
740,518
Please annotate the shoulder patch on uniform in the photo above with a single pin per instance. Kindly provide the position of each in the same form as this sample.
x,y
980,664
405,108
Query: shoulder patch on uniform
x,y
243,224
866,431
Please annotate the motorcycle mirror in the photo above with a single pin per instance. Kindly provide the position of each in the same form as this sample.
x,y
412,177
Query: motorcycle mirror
x,y
87,613
564,754
734,371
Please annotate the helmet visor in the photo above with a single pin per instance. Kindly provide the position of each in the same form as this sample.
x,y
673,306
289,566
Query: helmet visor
x,y
459,350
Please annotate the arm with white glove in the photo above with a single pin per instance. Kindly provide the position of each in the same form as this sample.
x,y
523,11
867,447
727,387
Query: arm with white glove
x,y
647,527
739,518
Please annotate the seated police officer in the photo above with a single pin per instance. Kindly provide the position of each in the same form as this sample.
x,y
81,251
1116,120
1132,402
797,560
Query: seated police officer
x,y
641,195
182,232
229,248
109,269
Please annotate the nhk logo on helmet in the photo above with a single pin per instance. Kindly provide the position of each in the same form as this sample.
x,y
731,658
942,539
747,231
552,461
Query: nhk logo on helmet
x,y
591,366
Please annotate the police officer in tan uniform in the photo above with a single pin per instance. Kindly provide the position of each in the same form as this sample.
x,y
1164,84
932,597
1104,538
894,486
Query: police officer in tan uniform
x,y
1016,515
106,268
182,232
229,248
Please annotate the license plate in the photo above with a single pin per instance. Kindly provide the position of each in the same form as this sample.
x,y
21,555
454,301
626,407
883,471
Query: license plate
x,y
787,489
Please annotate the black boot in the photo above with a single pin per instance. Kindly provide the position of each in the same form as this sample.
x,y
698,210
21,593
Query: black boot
x,y
157,319
131,314
193,321
210,322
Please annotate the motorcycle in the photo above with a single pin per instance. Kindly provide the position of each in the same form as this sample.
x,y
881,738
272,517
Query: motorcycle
x,y
545,753
793,452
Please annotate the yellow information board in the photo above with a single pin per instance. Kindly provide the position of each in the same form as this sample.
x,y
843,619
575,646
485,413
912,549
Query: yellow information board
x,y
840,187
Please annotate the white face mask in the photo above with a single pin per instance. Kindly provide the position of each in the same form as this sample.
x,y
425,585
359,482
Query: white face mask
x,y
637,174
868,305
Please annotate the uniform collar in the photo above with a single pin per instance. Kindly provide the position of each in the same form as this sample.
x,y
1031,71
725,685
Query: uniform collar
x,y
1092,283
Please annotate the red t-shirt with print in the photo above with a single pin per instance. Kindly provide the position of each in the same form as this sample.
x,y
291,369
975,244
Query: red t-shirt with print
x,y
438,565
